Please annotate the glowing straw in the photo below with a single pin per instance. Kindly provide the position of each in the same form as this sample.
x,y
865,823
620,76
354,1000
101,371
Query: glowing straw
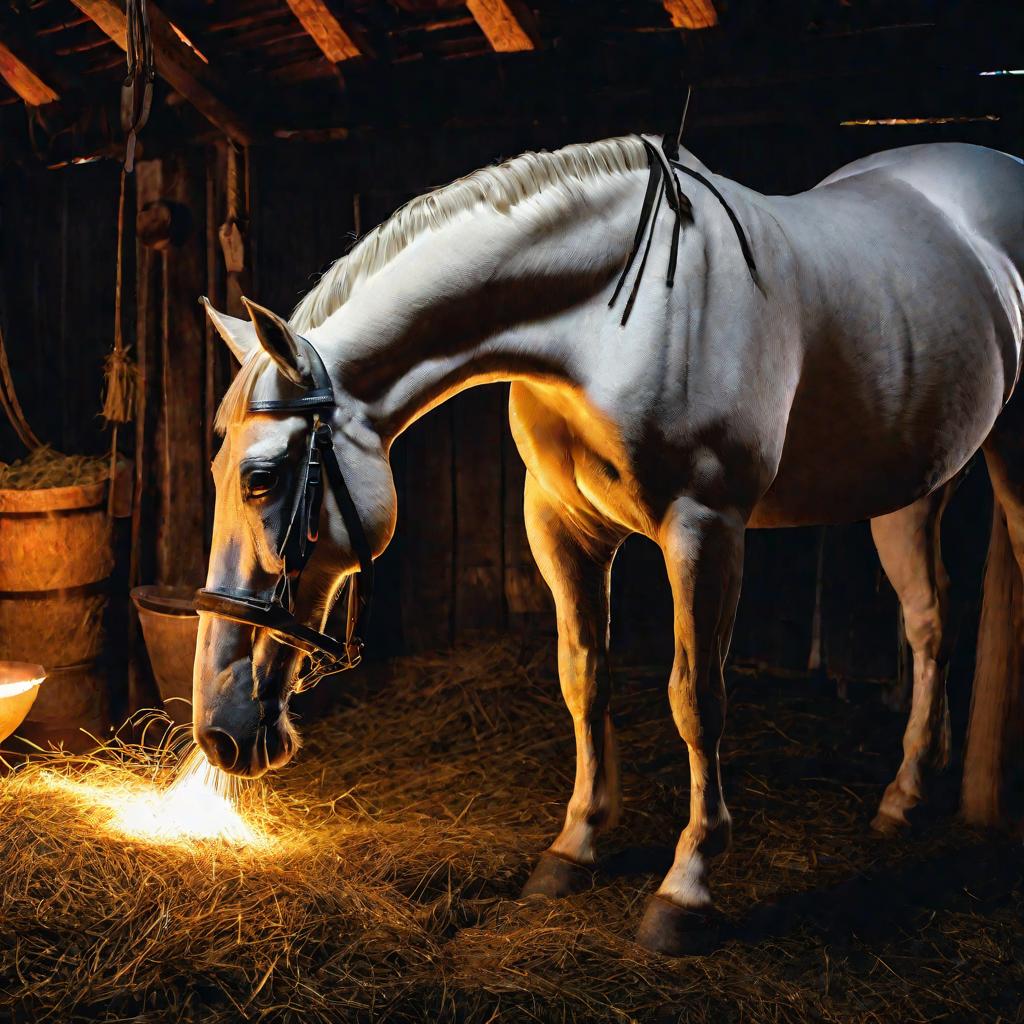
x,y
199,806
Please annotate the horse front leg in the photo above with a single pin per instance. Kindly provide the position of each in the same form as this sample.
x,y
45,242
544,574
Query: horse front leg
x,y
577,569
704,556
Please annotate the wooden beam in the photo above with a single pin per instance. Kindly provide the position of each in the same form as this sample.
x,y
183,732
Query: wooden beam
x,y
507,24
23,80
316,18
692,14
178,62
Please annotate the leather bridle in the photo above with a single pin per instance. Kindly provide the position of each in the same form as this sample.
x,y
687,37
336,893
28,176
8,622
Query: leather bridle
x,y
273,610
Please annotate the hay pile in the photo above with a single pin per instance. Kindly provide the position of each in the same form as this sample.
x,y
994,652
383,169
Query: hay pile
x,y
402,837
45,467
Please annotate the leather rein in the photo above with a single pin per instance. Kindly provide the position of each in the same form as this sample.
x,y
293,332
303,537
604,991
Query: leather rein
x,y
273,610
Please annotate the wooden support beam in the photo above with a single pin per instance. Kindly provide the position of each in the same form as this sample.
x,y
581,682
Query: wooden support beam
x,y
178,62
692,14
23,80
316,18
507,24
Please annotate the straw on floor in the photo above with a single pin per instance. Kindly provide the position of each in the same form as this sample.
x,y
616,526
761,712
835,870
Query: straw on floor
x,y
396,847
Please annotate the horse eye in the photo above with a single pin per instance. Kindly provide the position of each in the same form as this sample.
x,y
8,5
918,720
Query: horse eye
x,y
260,482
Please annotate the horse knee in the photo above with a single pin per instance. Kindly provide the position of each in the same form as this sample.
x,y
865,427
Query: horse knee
x,y
924,625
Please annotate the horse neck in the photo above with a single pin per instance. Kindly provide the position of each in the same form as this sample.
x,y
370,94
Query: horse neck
x,y
490,297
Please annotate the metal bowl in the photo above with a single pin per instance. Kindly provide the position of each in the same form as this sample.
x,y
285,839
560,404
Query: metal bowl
x,y
19,684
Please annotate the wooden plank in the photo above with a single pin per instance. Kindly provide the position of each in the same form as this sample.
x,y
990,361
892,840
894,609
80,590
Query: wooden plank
x,y
428,527
178,62
507,24
23,80
325,29
691,14
479,541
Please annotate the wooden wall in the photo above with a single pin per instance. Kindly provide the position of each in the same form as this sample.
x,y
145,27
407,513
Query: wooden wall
x,y
459,565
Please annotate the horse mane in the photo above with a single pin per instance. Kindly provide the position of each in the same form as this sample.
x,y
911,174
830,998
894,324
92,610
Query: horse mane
x,y
501,187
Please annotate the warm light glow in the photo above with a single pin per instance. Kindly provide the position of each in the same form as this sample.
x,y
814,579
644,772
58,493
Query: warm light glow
x,y
188,42
199,806
869,121
19,686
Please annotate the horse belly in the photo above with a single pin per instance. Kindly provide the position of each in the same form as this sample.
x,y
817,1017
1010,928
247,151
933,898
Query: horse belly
x,y
847,459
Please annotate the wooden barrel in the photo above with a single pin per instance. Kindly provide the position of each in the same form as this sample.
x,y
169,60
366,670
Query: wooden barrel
x,y
57,558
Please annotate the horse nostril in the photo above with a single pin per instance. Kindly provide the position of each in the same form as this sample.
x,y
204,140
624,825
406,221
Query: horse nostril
x,y
219,746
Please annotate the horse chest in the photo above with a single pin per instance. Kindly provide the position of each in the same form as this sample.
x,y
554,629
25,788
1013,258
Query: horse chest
x,y
576,457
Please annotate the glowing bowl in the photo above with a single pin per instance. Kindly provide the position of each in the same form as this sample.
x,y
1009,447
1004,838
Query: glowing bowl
x,y
19,684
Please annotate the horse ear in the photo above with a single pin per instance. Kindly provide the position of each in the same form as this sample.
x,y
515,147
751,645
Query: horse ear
x,y
240,335
281,343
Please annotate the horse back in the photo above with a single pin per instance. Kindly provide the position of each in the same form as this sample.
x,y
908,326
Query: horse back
x,y
908,281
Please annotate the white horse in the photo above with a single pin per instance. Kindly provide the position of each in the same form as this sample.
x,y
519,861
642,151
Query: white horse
x,y
872,354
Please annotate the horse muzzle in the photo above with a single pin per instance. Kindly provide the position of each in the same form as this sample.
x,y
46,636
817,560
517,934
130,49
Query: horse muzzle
x,y
240,734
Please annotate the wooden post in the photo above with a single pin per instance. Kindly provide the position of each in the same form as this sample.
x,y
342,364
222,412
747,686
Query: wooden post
x,y
428,554
177,332
993,783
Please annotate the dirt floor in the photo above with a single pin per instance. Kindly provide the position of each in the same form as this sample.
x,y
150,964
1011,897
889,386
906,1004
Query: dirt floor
x,y
410,822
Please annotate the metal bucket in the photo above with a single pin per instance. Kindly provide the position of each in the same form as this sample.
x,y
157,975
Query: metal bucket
x,y
19,687
57,556
171,627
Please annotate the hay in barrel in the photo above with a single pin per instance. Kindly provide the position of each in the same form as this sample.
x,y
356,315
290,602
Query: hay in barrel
x,y
44,467
387,887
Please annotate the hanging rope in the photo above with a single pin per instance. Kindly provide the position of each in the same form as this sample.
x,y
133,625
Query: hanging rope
x,y
120,373
11,405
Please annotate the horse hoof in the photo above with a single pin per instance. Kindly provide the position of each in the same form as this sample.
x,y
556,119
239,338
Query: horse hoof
x,y
672,930
557,876
888,825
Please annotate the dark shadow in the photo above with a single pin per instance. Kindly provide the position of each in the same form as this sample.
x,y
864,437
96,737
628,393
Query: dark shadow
x,y
974,878
637,860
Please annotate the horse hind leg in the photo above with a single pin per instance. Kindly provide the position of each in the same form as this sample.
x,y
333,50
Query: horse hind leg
x,y
908,543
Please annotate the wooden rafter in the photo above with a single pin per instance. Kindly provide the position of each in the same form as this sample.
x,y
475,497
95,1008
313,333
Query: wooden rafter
x,y
316,18
692,14
178,62
507,24
23,80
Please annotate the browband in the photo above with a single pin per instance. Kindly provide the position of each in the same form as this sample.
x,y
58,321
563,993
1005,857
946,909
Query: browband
x,y
319,396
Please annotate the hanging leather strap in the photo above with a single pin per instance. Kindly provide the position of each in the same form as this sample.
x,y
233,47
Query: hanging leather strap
x,y
748,256
651,193
662,181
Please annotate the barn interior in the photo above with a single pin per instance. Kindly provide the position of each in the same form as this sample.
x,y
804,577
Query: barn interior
x,y
280,131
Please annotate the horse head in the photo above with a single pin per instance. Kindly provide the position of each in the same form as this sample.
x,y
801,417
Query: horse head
x,y
304,500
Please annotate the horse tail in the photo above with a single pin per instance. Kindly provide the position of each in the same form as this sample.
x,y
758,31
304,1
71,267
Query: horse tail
x,y
992,781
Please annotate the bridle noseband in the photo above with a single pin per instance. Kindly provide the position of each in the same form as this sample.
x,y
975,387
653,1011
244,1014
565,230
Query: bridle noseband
x,y
273,610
